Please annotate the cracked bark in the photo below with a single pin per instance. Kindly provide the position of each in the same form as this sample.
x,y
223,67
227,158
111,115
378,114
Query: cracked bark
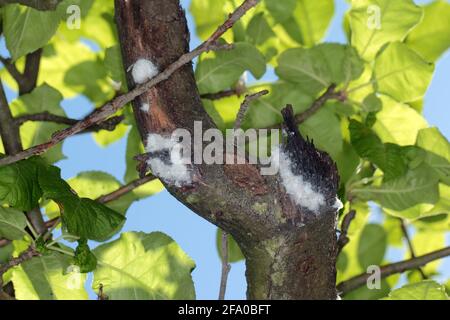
x,y
290,252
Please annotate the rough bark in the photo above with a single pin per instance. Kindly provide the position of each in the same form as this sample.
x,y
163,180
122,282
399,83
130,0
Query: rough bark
x,y
290,252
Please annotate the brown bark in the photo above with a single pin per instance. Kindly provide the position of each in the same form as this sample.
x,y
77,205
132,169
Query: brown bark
x,y
290,252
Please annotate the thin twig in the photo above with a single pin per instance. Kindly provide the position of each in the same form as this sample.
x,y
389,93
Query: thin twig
x,y
11,68
226,267
108,124
115,104
412,252
24,256
390,269
245,105
125,189
343,237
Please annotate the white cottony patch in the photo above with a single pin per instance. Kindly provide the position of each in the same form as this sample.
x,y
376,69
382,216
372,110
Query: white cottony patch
x,y
145,107
338,205
175,172
143,70
300,190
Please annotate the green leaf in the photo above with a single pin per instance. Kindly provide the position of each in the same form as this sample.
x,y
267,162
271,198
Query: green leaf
x,y
12,223
388,157
259,30
96,25
141,266
19,185
427,241
401,73
48,277
281,10
438,157
398,123
419,185
324,129
424,210
310,21
431,38
84,258
114,65
27,29
234,252
42,99
425,290
82,217
266,111
206,24
374,23
372,246
105,138
372,103
317,68
226,66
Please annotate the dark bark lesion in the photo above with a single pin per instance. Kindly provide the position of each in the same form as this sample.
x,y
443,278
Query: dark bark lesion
x,y
285,259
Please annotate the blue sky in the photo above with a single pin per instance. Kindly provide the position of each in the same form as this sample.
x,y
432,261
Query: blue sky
x,y
164,213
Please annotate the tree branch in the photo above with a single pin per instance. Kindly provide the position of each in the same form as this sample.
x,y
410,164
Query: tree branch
x,y
125,189
24,256
226,267
343,238
245,105
11,68
42,5
31,72
390,269
114,105
9,131
108,124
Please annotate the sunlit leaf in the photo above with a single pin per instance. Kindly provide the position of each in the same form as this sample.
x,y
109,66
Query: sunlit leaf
x,y
141,266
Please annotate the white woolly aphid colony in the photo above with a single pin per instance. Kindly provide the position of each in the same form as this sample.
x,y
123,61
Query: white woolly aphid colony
x,y
173,170
301,191
143,70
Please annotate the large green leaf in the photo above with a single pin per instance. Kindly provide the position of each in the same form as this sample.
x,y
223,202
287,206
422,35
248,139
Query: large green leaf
x,y
12,223
401,73
427,241
82,217
438,157
309,20
418,185
281,10
425,290
141,266
27,29
374,23
440,208
42,99
388,157
431,38
372,246
19,185
317,68
226,66
48,277
398,123
259,30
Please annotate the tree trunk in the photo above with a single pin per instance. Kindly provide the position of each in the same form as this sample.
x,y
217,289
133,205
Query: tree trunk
x,y
290,252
